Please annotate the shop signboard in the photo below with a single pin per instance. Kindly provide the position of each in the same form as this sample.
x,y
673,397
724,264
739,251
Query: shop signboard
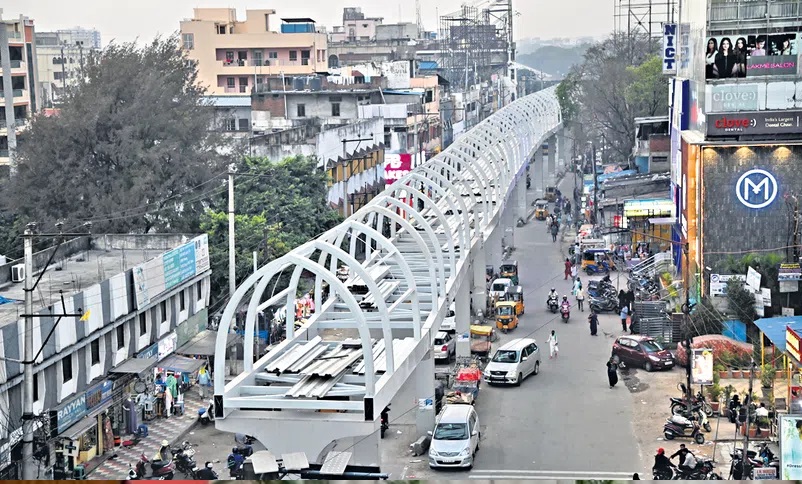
x,y
167,345
669,48
743,55
151,351
753,279
793,343
764,473
754,123
179,265
202,263
702,366
718,283
649,208
790,272
99,394
788,312
170,269
789,286
721,98
69,413
396,166
790,447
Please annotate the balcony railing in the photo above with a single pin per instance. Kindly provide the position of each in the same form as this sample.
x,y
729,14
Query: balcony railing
x,y
753,10
15,93
236,90
16,64
15,35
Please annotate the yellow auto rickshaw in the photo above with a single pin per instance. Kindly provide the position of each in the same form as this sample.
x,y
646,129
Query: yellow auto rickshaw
x,y
509,270
516,295
541,209
551,194
506,317
481,340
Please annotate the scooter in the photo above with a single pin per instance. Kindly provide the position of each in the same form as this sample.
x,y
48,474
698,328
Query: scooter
x,y
596,269
553,305
206,415
385,420
679,426
601,304
565,312
160,470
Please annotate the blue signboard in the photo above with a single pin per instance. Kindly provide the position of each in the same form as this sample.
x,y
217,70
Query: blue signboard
x,y
151,351
71,413
98,395
179,265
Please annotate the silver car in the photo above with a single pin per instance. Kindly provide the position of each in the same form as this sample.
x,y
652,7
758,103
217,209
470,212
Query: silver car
x,y
513,362
445,346
455,439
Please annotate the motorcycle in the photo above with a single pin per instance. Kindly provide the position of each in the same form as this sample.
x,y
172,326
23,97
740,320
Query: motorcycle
x,y
552,304
183,459
565,312
604,268
160,470
234,463
763,458
385,420
206,415
598,304
679,406
679,426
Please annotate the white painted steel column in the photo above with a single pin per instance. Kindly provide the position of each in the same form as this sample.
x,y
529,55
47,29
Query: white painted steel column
x,y
424,382
479,296
521,208
563,154
493,247
463,310
552,157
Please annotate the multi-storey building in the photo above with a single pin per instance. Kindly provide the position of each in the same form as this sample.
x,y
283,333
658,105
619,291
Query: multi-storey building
x,y
355,27
736,130
22,53
234,55
142,297
60,58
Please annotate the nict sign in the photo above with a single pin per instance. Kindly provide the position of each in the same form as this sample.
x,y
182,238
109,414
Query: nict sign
x,y
669,48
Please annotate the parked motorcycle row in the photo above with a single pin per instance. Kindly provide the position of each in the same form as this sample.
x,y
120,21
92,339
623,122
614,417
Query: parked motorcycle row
x,y
167,462
688,419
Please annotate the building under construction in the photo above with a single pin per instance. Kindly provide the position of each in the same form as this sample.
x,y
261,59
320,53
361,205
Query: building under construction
x,y
476,42
638,17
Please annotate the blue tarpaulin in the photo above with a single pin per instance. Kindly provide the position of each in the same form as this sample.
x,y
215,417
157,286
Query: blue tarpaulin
x,y
735,329
5,300
616,174
427,66
774,328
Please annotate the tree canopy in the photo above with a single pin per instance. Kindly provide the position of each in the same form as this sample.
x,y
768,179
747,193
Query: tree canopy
x,y
620,79
130,150
279,206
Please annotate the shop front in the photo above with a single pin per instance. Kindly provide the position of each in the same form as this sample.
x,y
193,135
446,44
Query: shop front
x,y
650,222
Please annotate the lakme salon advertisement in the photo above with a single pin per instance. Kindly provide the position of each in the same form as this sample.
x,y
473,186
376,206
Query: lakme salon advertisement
x,y
751,55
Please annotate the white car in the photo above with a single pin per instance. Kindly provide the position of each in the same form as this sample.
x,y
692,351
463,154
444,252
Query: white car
x,y
499,287
513,362
455,439
445,346
450,321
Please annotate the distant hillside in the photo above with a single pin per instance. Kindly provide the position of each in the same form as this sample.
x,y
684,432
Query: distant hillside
x,y
554,60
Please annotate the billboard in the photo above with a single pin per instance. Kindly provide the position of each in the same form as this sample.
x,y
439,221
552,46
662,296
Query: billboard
x,y
721,98
669,48
790,447
396,166
170,269
718,283
735,56
702,366
754,123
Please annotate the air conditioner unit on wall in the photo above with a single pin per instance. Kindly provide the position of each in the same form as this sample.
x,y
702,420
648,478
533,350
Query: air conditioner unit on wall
x,y
18,273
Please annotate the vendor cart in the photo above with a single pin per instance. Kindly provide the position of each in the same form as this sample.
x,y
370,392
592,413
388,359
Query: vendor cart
x,y
481,340
466,384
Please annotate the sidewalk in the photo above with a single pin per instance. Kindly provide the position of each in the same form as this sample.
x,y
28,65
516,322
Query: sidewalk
x,y
170,429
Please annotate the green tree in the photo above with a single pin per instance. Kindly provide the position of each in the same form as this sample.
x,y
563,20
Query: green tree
x,y
279,206
130,149
705,319
741,302
767,264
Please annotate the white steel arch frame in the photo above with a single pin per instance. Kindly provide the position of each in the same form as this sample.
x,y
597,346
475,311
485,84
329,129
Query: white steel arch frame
x,y
465,179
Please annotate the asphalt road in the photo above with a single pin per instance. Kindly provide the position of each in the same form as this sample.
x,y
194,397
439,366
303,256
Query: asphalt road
x,y
565,423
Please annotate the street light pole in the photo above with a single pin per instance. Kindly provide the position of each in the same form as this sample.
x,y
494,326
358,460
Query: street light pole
x,y
28,468
232,270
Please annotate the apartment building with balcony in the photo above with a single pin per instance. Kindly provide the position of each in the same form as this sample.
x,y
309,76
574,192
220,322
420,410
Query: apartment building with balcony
x,y
356,27
233,55
735,119
22,53
60,57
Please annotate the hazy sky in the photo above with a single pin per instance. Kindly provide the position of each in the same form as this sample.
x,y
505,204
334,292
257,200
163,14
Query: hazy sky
x,y
127,20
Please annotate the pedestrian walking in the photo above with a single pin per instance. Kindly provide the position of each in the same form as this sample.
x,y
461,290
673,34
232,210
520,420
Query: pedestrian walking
x,y
549,222
579,293
553,348
624,315
612,372
574,273
631,300
593,319
568,267
554,231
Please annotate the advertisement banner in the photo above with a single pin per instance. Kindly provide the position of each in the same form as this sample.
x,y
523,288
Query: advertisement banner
x,y
718,283
167,345
792,344
702,366
756,123
99,394
170,269
396,166
789,286
669,48
753,278
750,55
721,98
790,447
202,263
790,272
179,265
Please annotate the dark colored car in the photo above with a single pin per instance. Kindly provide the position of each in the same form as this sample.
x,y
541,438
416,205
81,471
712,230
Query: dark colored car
x,y
642,351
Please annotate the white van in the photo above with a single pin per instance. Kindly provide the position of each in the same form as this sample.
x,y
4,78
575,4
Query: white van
x,y
513,362
455,439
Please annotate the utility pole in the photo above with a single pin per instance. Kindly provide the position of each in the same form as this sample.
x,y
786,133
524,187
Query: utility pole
x,y
28,468
232,270
63,71
686,310
8,95
745,459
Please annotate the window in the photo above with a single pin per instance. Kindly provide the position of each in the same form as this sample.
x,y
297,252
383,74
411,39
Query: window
x,y
199,290
243,126
188,41
293,55
243,84
163,308
272,54
58,75
221,29
231,82
36,387
143,324
120,336
302,110
429,96
182,301
66,369
335,109
94,347
305,57
230,124
257,57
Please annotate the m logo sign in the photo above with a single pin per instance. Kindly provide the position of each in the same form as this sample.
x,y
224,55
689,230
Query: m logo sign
x,y
756,188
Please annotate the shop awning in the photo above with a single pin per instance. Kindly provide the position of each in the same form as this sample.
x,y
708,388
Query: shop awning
x,y
80,427
774,328
181,364
203,344
134,365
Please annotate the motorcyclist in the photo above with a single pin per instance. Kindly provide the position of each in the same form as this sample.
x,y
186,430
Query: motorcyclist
x,y
662,464
552,296
565,304
207,473
163,454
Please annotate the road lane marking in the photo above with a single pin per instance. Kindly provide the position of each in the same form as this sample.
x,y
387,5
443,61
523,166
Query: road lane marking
x,y
537,471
